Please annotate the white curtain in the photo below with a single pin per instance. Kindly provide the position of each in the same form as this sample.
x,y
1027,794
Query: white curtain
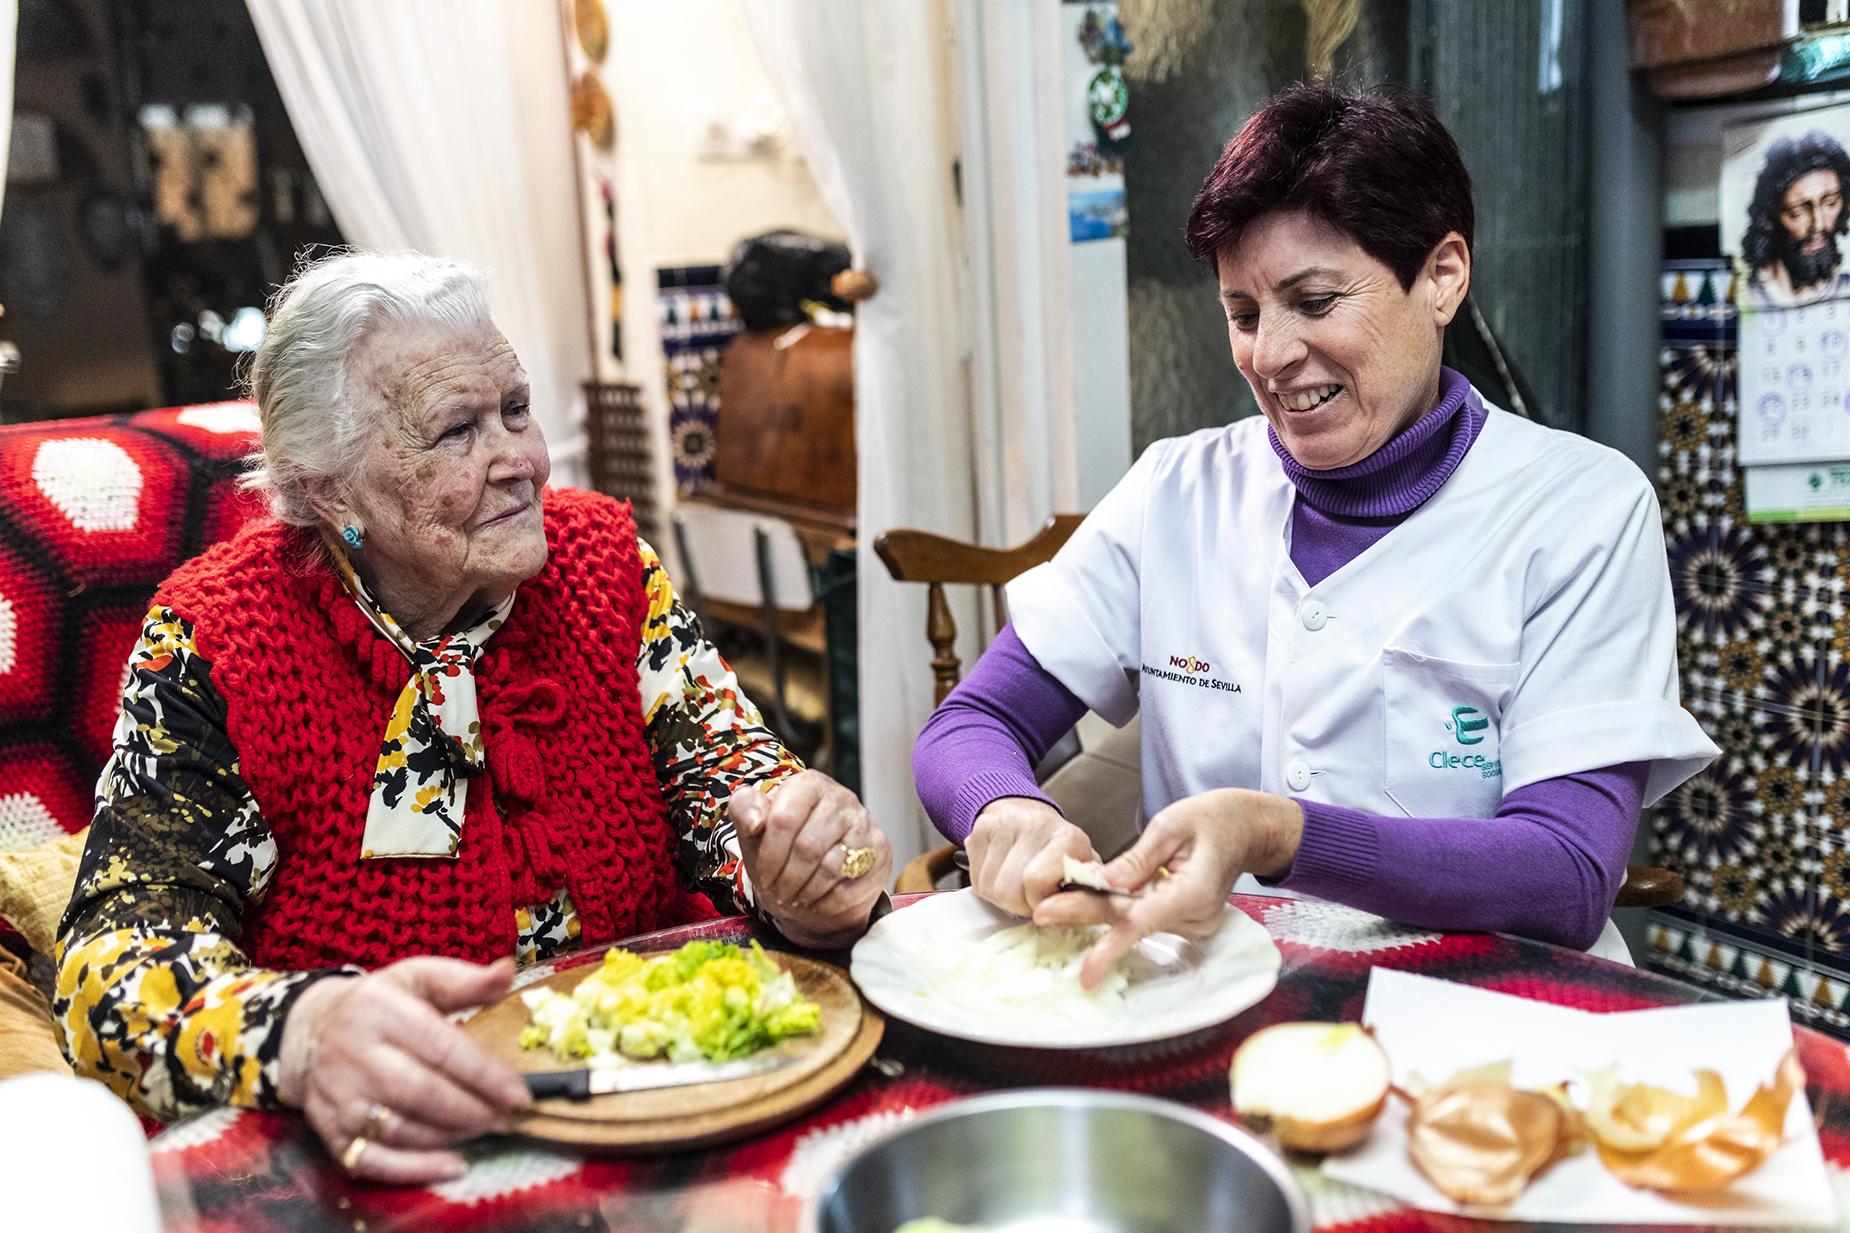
x,y
1008,84
9,49
860,82
443,126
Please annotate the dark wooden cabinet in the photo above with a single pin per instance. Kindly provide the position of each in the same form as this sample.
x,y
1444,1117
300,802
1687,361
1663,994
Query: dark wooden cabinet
x,y
786,421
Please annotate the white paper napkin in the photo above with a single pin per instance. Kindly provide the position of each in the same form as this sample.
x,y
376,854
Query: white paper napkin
x,y
1438,1028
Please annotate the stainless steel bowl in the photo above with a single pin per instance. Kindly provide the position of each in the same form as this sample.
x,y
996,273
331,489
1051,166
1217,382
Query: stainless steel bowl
x,y
1064,1160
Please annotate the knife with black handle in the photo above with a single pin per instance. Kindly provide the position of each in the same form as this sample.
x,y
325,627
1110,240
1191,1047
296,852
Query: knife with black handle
x,y
588,1081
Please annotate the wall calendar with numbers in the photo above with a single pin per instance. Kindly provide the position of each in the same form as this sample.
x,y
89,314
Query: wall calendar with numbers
x,y
1795,383
1785,212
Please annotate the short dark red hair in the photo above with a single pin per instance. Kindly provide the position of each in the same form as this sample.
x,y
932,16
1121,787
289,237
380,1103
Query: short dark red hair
x,y
1377,166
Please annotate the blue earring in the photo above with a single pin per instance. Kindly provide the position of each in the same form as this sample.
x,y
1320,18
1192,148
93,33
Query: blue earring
x,y
351,534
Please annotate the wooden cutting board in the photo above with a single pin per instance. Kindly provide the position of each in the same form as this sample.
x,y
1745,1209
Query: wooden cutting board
x,y
697,1114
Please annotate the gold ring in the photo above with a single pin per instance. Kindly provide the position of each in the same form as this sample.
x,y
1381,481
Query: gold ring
x,y
376,1118
855,861
350,1159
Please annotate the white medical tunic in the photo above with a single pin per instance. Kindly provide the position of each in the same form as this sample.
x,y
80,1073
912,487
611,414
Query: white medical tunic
x,y
1516,627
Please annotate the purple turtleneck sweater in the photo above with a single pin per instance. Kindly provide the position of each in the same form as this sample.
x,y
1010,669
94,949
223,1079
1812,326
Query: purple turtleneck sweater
x,y
1547,866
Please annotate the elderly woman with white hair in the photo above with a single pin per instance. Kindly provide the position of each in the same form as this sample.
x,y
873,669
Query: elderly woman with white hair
x,y
430,720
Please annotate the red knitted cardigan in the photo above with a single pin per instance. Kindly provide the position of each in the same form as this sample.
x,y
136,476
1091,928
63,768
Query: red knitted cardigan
x,y
570,799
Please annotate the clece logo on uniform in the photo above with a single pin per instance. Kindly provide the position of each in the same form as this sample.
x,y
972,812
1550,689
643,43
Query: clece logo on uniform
x,y
1467,726
1191,670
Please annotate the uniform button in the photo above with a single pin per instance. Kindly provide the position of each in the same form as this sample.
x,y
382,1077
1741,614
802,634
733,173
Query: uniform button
x,y
1297,775
1312,614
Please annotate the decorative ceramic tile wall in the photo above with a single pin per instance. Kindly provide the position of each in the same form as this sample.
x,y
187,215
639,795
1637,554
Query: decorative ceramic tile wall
x,y
1762,836
697,320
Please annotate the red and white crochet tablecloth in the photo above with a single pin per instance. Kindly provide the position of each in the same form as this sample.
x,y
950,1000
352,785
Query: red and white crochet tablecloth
x,y
258,1173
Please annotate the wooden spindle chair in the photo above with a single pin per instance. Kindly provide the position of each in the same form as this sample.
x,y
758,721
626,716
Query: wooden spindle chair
x,y
920,556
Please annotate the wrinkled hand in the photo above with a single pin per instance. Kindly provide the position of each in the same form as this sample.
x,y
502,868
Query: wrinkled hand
x,y
382,1039
1205,842
792,841
1017,850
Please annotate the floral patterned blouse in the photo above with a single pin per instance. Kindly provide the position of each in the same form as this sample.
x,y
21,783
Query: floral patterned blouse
x,y
155,996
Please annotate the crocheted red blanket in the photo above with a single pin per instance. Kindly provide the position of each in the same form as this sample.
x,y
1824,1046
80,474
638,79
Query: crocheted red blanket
x,y
93,514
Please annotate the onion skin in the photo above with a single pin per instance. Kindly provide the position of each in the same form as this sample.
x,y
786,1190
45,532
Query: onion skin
x,y
1709,1148
1483,1143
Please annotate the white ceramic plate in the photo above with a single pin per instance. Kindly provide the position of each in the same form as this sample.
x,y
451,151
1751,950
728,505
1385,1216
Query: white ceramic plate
x,y
1176,986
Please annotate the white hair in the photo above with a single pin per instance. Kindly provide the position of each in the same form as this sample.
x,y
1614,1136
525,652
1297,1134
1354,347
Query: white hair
x,y
312,429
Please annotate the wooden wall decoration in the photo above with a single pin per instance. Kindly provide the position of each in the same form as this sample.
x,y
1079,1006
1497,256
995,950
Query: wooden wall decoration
x,y
592,113
593,28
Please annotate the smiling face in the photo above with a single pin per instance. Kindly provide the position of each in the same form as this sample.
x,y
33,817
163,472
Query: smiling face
x,y
1338,355
448,491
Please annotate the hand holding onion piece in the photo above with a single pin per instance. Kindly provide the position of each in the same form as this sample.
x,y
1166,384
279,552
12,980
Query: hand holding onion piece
x,y
1317,1087
1083,875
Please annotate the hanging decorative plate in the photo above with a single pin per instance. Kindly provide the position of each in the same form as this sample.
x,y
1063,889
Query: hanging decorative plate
x,y
1108,103
592,114
593,28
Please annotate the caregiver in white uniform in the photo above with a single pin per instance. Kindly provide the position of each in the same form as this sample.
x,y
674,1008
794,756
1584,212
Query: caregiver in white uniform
x,y
1392,646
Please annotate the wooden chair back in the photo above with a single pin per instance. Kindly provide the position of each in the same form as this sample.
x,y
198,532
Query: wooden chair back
x,y
749,569
621,451
920,556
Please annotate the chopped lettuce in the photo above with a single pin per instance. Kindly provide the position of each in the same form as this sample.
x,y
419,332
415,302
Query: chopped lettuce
x,y
707,1000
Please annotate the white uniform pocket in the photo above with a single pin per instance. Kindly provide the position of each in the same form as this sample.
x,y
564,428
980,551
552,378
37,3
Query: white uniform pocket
x,y
1443,719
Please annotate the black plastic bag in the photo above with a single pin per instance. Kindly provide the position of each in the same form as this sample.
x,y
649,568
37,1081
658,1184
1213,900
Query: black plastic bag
x,y
770,276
